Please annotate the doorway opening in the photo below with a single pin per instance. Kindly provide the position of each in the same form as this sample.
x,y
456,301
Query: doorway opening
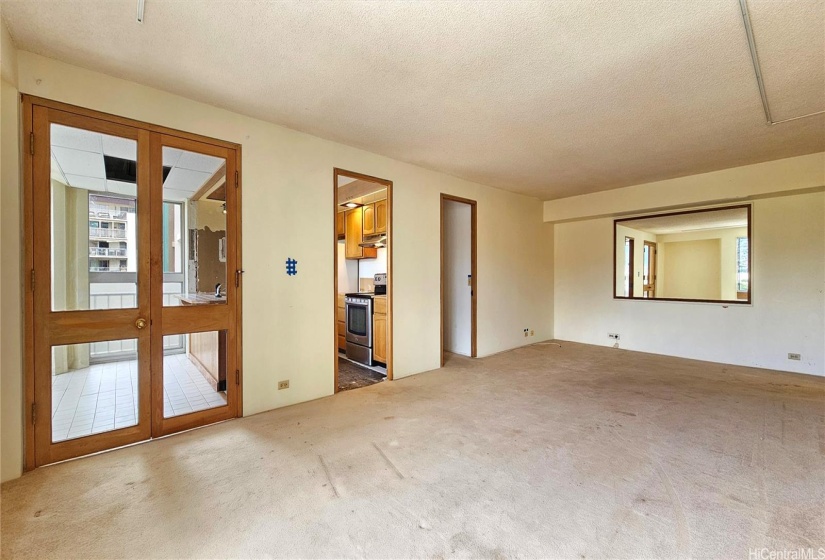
x,y
133,312
363,279
458,276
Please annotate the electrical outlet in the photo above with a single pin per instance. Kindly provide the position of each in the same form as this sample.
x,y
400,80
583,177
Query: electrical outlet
x,y
526,333
792,356
532,333
614,336
283,384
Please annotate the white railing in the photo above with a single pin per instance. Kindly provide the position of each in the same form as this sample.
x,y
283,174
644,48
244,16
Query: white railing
x,y
106,252
126,300
107,233
108,269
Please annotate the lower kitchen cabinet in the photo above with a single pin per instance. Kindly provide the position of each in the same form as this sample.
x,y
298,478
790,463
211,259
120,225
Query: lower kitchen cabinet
x,y
341,324
379,337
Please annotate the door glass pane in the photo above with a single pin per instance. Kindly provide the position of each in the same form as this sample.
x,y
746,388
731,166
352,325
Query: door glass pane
x,y
93,220
194,228
194,372
94,388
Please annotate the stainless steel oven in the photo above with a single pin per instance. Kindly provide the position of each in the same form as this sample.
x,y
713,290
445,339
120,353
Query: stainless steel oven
x,y
359,327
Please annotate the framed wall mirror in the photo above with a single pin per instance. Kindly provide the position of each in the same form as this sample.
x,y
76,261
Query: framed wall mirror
x,y
695,255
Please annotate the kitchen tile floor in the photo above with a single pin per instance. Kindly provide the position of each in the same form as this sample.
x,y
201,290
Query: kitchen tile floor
x,y
104,397
354,376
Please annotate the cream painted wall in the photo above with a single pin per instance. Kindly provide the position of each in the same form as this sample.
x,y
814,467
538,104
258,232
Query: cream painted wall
x,y
728,265
790,175
787,314
692,269
289,328
11,302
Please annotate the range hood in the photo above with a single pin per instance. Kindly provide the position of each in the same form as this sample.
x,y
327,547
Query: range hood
x,y
374,241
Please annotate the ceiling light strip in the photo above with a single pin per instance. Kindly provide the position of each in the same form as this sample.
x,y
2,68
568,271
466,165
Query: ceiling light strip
x,y
746,18
140,8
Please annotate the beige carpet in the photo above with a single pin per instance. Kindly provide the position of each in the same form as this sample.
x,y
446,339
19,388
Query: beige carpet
x,y
546,451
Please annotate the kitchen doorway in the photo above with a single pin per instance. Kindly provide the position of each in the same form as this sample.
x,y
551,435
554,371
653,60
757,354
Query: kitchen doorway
x,y
133,308
362,279
458,276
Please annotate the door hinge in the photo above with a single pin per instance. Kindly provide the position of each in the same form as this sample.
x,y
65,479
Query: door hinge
x,y
32,280
34,413
237,377
238,277
236,179
31,143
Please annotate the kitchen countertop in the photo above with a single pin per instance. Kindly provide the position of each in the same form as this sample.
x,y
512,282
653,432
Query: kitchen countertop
x,y
200,298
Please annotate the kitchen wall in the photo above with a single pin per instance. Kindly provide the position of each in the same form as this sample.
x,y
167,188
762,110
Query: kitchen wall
x,y
347,271
788,246
289,330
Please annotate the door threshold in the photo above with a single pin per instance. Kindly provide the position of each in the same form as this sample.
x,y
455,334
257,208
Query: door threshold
x,y
145,441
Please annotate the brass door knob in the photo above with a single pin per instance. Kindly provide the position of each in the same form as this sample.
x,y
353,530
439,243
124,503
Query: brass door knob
x,y
140,323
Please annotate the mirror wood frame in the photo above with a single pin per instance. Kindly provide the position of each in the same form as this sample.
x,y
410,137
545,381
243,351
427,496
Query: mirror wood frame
x,y
746,207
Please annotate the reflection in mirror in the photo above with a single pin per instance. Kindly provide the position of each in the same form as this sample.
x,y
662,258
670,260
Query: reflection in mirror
x,y
698,255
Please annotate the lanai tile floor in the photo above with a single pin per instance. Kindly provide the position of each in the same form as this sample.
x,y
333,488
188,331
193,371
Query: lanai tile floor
x,y
104,397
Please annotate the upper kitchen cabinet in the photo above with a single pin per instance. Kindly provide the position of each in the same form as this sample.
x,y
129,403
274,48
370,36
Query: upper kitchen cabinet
x,y
375,217
354,225
380,214
340,227
369,219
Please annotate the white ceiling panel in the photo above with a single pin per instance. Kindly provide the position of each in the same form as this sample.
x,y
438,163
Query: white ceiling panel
x,y
172,194
79,162
199,162
120,187
171,156
82,182
75,138
56,172
115,146
185,180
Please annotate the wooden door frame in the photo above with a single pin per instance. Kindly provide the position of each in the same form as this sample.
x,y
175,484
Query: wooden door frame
x,y
336,172
28,103
651,266
631,263
473,271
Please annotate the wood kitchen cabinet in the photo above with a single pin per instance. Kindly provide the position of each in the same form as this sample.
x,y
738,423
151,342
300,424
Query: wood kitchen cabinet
x,y
380,214
369,219
340,228
341,324
354,224
379,329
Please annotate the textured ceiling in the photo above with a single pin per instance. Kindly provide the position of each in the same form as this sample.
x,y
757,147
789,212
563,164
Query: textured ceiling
x,y
550,99
697,221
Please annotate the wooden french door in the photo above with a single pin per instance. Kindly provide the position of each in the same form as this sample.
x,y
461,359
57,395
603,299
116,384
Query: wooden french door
x,y
134,283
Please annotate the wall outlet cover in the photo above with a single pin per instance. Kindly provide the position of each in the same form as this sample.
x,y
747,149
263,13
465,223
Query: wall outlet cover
x,y
283,384
792,356
614,336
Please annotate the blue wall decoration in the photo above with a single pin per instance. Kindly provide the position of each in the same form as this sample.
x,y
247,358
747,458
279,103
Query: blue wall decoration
x,y
291,266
